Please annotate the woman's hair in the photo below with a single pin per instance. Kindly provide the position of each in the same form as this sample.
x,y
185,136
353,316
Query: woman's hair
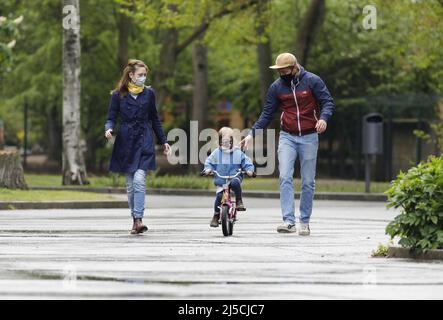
x,y
132,66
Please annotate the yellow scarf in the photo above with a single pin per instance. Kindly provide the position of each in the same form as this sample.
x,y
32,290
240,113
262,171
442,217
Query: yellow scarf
x,y
134,89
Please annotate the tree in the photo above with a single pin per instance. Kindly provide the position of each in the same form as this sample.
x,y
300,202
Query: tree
x,y
264,52
309,26
168,17
124,24
73,165
8,35
200,67
11,171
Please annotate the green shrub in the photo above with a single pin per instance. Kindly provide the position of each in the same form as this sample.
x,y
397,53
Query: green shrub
x,y
419,194
380,252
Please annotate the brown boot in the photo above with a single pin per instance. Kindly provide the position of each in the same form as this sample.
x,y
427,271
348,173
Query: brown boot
x,y
134,227
140,227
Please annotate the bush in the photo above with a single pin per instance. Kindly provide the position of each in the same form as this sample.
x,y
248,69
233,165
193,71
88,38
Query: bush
x,y
380,252
419,193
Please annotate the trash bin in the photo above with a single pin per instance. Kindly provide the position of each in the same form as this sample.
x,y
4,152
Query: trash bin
x,y
372,134
372,144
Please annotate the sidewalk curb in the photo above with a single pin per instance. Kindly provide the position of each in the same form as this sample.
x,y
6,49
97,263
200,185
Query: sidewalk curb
x,y
107,204
21,205
405,253
342,196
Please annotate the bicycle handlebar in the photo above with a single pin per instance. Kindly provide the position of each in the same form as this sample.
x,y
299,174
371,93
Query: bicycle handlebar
x,y
203,173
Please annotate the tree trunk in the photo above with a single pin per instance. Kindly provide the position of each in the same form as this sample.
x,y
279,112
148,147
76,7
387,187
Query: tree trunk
x,y
11,171
54,134
308,28
171,49
264,53
73,164
123,36
168,62
2,135
200,97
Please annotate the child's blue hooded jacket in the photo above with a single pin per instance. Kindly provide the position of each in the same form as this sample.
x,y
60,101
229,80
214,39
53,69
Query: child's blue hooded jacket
x,y
227,163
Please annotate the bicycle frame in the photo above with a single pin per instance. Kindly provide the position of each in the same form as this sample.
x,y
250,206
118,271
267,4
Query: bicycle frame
x,y
226,198
227,217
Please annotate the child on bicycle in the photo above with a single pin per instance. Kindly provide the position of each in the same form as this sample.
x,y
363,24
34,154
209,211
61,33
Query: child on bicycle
x,y
227,160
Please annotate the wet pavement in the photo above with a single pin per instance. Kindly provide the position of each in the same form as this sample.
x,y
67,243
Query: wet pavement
x,y
63,254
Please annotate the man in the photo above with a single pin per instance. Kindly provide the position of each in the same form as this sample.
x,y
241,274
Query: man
x,y
306,107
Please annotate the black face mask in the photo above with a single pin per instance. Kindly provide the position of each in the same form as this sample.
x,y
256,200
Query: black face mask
x,y
287,78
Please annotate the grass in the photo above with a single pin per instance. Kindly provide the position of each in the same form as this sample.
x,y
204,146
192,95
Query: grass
x,y
42,195
381,251
196,182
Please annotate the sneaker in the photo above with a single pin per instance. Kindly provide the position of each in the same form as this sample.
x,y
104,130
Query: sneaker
x,y
214,222
304,230
239,205
286,228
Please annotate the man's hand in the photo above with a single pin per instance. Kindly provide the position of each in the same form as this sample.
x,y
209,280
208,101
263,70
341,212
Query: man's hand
x,y
167,149
108,134
244,144
321,126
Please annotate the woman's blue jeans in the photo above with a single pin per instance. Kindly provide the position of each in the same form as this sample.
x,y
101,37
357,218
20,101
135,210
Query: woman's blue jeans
x,y
305,148
136,189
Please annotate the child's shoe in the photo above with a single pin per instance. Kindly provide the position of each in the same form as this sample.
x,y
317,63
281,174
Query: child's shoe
x,y
239,205
215,219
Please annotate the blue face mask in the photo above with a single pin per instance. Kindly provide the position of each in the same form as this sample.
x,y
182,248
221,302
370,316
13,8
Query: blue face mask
x,y
140,81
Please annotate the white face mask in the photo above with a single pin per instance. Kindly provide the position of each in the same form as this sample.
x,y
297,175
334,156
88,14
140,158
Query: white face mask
x,y
226,144
140,81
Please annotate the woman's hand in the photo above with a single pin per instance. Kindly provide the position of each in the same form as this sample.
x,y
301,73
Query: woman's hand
x,y
108,134
167,149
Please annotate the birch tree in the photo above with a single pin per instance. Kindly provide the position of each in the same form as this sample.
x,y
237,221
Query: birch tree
x,y
73,164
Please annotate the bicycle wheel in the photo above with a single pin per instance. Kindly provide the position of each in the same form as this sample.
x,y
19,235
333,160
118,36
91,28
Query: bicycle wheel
x,y
225,222
231,231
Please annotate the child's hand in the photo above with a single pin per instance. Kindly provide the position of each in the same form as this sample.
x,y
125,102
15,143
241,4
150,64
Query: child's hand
x,y
249,173
208,172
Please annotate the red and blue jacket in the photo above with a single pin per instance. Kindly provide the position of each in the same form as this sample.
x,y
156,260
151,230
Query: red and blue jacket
x,y
303,103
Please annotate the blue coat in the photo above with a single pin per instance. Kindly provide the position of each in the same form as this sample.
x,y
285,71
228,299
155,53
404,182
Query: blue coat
x,y
228,164
134,143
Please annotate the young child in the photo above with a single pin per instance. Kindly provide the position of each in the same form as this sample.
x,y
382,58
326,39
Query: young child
x,y
227,160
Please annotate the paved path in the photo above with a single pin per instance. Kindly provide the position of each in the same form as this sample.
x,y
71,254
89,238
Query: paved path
x,y
43,251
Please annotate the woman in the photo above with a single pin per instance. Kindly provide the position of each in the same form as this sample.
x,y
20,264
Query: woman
x,y
133,153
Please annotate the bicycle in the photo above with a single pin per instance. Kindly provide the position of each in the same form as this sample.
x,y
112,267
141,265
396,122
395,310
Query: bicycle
x,y
228,210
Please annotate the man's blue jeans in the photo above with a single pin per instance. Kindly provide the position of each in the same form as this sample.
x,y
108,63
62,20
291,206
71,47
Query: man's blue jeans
x,y
136,188
289,148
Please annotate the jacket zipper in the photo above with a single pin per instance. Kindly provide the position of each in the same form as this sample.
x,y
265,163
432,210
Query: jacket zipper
x,y
298,111
315,115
